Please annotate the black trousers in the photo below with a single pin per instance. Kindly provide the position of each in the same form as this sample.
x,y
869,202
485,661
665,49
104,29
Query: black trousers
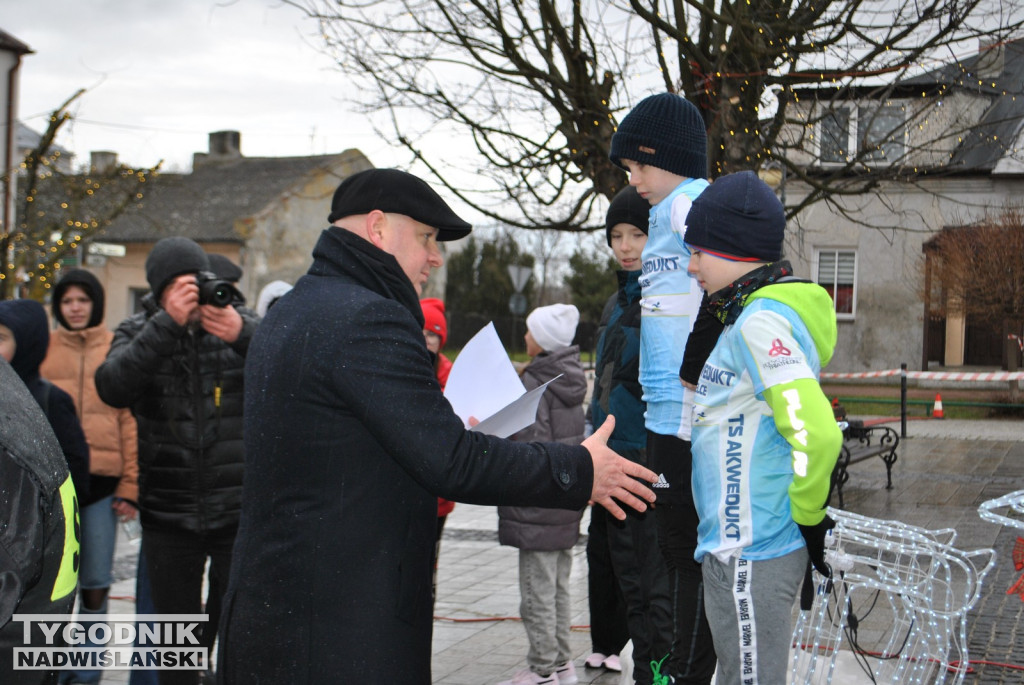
x,y
693,652
608,632
176,561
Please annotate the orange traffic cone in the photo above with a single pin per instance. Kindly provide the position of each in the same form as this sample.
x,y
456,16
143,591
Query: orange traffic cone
x,y
937,409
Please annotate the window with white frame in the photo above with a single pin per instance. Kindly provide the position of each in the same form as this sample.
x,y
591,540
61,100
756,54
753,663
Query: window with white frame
x,y
835,136
877,131
880,132
836,272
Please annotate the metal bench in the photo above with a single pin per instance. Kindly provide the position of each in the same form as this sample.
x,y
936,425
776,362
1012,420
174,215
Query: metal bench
x,y
860,443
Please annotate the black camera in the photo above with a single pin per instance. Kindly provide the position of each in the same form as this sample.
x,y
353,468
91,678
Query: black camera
x,y
216,291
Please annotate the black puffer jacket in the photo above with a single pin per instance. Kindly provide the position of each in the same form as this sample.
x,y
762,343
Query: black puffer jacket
x,y
185,388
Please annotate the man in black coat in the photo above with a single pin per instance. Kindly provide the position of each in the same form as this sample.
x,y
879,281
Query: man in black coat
x,y
179,366
349,442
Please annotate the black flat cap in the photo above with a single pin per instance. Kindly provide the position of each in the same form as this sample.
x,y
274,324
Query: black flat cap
x,y
396,192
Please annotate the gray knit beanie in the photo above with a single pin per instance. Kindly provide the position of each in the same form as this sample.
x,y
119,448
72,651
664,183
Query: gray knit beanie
x,y
172,257
664,131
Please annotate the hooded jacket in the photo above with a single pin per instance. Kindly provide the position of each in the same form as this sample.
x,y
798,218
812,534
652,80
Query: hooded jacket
x,y
38,540
560,418
617,390
27,321
759,468
71,364
349,441
184,387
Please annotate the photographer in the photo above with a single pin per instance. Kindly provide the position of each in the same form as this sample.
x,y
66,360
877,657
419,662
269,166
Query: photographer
x,y
178,366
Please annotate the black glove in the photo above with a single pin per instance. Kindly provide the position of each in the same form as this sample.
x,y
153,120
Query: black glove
x,y
814,537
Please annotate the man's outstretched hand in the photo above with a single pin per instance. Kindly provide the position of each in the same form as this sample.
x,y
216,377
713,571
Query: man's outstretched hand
x,y
615,477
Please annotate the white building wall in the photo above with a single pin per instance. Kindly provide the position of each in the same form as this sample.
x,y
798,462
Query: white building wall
x,y
889,324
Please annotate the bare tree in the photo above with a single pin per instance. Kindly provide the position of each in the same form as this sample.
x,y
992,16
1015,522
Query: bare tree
x,y
537,86
976,272
57,211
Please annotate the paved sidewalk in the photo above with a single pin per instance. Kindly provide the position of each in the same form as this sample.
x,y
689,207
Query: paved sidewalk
x,y
945,470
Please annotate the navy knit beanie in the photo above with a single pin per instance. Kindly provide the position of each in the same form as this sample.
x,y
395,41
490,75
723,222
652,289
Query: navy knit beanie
x,y
627,207
737,217
87,282
664,131
172,257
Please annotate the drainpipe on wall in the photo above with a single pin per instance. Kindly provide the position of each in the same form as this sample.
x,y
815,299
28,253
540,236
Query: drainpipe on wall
x,y
8,161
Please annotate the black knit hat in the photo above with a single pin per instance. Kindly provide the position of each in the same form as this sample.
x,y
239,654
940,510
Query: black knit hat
x,y
87,282
627,207
664,131
737,217
172,257
397,192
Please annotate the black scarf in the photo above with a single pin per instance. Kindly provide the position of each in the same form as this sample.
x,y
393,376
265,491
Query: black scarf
x,y
727,303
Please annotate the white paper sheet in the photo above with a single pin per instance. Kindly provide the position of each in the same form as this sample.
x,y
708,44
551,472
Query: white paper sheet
x,y
516,416
484,384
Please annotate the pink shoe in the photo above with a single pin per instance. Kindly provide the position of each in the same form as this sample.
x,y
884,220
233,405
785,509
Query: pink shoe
x,y
612,663
567,674
595,660
528,677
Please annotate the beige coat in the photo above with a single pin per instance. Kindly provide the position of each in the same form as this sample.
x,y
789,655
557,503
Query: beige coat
x,y
70,364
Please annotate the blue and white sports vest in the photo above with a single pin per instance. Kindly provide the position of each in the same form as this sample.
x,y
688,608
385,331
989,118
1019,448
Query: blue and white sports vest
x,y
670,299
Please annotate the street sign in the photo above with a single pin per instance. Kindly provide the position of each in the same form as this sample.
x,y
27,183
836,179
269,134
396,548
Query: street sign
x,y
97,261
517,304
519,275
107,249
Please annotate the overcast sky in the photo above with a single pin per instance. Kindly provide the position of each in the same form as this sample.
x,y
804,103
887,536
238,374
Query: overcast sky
x,y
162,74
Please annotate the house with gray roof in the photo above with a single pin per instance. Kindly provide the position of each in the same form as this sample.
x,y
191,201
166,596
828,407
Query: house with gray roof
x,y
262,213
955,136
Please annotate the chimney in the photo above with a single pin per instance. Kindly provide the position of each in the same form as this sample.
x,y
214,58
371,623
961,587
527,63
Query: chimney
x,y
225,146
102,161
991,58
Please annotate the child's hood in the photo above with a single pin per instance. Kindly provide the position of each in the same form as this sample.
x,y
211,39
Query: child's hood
x,y
27,321
813,305
571,388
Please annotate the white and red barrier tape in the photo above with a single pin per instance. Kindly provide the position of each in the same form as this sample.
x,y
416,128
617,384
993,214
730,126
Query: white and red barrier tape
x,y
933,375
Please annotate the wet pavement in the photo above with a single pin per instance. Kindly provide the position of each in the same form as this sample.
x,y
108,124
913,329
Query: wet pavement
x,y
945,470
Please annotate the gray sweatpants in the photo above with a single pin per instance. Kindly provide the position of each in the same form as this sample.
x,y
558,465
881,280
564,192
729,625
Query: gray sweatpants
x,y
749,605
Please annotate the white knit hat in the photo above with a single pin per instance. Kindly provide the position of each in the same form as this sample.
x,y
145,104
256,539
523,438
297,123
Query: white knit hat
x,y
270,294
553,327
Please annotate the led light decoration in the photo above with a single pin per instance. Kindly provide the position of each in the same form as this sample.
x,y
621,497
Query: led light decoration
x,y
898,602
1014,518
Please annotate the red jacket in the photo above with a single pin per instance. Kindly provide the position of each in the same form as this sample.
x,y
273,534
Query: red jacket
x,y
444,367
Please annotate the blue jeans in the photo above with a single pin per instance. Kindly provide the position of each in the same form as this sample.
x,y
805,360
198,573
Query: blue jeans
x,y
99,535
143,605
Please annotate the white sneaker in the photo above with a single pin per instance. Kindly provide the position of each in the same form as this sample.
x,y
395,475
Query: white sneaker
x,y
612,663
567,674
528,677
595,660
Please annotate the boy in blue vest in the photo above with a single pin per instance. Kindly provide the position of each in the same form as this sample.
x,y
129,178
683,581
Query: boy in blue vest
x,y
765,440
662,143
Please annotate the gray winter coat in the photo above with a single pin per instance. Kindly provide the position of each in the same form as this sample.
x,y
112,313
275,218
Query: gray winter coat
x,y
560,419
